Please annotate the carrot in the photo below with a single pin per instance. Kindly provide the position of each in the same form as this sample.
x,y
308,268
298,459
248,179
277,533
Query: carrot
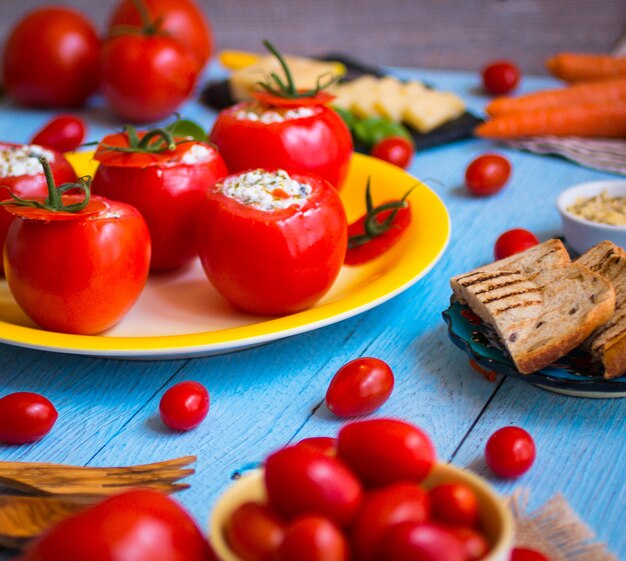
x,y
602,120
607,91
584,67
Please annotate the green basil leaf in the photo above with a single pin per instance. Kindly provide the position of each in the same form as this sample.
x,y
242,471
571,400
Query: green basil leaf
x,y
348,117
372,130
187,128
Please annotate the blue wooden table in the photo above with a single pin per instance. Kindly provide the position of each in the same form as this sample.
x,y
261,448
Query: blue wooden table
x,y
267,396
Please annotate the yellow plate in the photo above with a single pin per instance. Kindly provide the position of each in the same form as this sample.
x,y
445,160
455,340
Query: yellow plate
x,y
181,315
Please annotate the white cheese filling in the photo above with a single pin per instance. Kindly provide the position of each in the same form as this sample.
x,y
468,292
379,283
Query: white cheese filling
x,y
22,160
197,154
266,190
263,114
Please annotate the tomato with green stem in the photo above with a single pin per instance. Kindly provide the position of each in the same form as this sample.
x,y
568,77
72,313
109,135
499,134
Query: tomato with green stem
x,y
75,263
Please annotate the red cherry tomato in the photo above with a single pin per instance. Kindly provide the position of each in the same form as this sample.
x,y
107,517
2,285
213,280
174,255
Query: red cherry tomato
x,y
51,58
319,144
359,387
524,554
384,451
272,262
313,538
145,78
475,544
64,133
514,241
382,509
182,19
25,417
184,406
325,444
487,174
396,150
166,190
77,273
454,504
26,185
422,542
510,452
500,77
139,525
254,532
301,480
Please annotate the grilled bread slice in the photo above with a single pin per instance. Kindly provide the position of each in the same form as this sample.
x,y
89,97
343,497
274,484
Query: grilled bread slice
x,y
607,344
541,305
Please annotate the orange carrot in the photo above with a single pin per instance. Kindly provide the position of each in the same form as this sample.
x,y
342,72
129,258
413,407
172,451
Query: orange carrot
x,y
601,120
584,67
606,91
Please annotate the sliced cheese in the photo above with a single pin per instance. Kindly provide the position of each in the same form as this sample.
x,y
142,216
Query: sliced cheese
x,y
431,110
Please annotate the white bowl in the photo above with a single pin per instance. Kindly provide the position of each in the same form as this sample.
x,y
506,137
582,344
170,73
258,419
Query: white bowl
x,y
496,519
582,234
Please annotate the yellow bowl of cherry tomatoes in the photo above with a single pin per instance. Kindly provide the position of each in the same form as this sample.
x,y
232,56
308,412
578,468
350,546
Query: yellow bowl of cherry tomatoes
x,y
319,504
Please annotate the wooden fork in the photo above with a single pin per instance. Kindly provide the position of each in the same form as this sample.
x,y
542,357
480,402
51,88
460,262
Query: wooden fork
x,y
84,483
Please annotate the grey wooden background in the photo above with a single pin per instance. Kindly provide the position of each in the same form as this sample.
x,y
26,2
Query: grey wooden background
x,y
454,34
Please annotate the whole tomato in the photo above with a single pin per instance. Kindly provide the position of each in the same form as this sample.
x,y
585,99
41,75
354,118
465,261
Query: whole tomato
x,y
80,271
25,417
384,451
422,542
475,544
500,77
22,173
146,77
140,525
487,174
51,58
182,19
254,532
396,150
266,251
455,504
166,187
325,444
525,554
184,406
313,538
510,452
382,509
63,133
514,241
359,387
301,480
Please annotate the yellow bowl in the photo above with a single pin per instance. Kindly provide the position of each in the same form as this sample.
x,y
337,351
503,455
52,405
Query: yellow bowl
x,y
495,518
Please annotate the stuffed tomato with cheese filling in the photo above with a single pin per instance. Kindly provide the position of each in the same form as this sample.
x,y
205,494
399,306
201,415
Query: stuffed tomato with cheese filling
x,y
22,174
270,242
165,178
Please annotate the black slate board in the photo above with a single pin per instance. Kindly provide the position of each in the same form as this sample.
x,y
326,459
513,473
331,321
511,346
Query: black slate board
x,y
217,95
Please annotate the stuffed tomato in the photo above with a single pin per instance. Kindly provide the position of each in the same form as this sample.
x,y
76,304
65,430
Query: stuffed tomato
x,y
272,243
21,173
165,179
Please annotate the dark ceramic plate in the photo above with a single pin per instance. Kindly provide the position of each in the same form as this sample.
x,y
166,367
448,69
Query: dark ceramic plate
x,y
574,374
217,95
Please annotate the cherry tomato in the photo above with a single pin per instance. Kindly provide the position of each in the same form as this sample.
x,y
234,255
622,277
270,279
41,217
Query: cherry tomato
x,y
77,273
510,452
325,444
51,58
141,525
28,184
514,241
454,504
422,542
272,262
182,19
500,77
145,78
254,532
25,417
313,538
382,509
164,188
301,480
359,387
384,451
487,174
184,406
396,150
524,554
475,544
63,133
318,144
